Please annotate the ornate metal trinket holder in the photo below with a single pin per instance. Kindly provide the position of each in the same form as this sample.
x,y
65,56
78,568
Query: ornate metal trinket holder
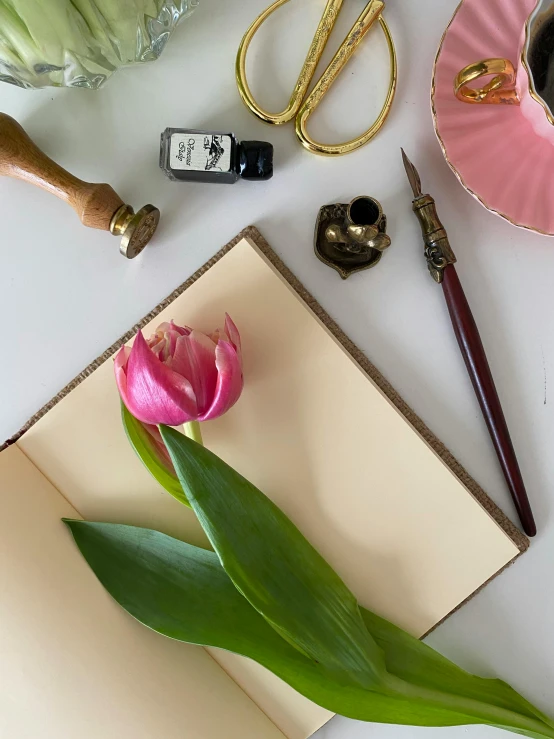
x,y
351,237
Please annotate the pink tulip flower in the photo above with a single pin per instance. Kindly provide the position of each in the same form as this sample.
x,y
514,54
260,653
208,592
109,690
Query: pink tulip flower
x,y
181,375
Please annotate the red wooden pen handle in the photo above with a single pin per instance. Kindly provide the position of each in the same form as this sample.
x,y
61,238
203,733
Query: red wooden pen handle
x,y
483,384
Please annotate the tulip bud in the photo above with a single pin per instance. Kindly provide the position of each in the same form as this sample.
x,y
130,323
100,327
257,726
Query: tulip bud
x,y
181,375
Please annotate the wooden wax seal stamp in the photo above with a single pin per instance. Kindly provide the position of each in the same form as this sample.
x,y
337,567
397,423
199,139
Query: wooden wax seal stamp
x,y
97,205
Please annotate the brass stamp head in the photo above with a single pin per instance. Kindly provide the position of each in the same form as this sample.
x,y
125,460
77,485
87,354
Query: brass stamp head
x,y
135,229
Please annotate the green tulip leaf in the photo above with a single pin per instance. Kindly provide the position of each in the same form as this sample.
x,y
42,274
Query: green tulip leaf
x,y
183,592
146,451
417,663
275,567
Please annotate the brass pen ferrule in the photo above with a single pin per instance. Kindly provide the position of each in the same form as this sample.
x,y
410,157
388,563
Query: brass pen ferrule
x,y
438,251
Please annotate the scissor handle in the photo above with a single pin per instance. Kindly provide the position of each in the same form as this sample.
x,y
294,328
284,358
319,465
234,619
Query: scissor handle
x,y
326,24
371,13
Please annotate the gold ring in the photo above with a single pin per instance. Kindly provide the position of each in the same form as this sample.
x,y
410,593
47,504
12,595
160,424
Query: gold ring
x,y
499,90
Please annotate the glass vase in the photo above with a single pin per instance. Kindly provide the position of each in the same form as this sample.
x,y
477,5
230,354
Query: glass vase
x,y
81,43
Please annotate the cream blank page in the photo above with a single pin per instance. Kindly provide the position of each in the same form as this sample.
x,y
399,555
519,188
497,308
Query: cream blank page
x,y
74,664
317,436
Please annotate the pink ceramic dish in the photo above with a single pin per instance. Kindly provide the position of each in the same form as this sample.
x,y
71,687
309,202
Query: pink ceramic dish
x,y
492,149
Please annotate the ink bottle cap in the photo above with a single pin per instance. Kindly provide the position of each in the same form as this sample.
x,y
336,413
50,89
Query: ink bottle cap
x,y
255,160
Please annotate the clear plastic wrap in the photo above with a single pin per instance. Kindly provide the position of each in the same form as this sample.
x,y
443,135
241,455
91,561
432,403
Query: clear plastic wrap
x,y
80,43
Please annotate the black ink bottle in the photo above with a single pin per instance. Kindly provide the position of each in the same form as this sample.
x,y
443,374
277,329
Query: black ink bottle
x,y
205,156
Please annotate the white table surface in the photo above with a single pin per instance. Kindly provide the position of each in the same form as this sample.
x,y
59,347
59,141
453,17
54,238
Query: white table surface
x,y
66,293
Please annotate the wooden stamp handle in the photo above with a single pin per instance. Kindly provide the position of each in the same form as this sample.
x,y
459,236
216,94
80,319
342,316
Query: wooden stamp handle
x,y
20,157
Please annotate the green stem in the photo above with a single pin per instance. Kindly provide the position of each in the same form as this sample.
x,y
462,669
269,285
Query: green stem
x,y
192,431
494,715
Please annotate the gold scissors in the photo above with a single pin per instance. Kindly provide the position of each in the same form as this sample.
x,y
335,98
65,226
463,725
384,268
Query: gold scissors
x,y
301,109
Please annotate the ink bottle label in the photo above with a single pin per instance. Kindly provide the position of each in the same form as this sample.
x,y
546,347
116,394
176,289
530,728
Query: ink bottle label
x,y
201,152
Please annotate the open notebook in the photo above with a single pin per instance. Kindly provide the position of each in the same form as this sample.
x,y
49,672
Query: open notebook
x,y
377,494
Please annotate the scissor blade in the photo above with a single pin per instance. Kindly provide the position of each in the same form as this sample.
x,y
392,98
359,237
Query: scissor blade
x,y
413,175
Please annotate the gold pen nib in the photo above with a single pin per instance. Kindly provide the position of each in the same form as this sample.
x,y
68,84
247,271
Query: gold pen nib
x,y
413,176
